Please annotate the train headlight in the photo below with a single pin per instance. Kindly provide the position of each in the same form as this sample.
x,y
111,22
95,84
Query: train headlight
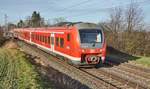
x,y
103,59
83,50
68,47
101,50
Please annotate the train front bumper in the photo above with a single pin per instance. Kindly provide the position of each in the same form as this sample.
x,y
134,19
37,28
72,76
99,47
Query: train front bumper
x,y
80,63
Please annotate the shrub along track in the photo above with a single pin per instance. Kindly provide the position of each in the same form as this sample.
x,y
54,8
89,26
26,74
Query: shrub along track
x,y
93,78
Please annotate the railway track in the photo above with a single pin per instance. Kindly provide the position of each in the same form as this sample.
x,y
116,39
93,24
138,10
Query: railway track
x,y
142,73
134,75
95,78
133,66
96,83
124,77
127,78
108,78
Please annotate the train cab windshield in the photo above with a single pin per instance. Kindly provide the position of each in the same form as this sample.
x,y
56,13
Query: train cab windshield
x,y
90,37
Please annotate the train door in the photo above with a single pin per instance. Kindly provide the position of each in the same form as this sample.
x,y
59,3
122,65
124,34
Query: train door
x,y
68,44
52,41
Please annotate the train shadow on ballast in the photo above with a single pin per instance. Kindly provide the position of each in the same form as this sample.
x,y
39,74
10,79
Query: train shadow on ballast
x,y
116,57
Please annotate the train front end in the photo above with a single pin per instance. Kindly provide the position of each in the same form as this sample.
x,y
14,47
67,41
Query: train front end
x,y
92,44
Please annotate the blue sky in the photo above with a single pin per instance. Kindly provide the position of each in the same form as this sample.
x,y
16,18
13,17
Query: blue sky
x,y
72,10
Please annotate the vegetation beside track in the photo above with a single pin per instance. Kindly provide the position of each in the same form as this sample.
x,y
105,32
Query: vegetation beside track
x,y
17,73
145,61
116,56
2,40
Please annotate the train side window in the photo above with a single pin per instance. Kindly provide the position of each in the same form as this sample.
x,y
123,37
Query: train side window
x,y
68,37
38,38
42,38
48,40
61,42
57,41
45,39
35,36
32,36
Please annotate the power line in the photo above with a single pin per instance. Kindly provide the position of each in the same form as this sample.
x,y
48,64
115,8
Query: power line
x,y
72,6
105,9
78,4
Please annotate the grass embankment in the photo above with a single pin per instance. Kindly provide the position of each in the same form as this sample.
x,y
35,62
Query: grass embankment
x,y
145,61
16,72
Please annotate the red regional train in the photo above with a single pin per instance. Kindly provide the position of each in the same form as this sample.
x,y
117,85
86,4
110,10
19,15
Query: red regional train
x,y
80,44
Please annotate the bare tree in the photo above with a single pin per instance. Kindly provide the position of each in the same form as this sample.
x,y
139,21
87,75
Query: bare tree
x,y
115,26
125,30
133,16
133,20
116,20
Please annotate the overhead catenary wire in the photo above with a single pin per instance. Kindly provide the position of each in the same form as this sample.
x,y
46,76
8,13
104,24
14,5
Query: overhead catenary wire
x,y
103,9
62,10
86,12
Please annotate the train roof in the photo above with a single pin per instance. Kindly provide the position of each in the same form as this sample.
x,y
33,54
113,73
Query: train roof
x,y
78,25
87,26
